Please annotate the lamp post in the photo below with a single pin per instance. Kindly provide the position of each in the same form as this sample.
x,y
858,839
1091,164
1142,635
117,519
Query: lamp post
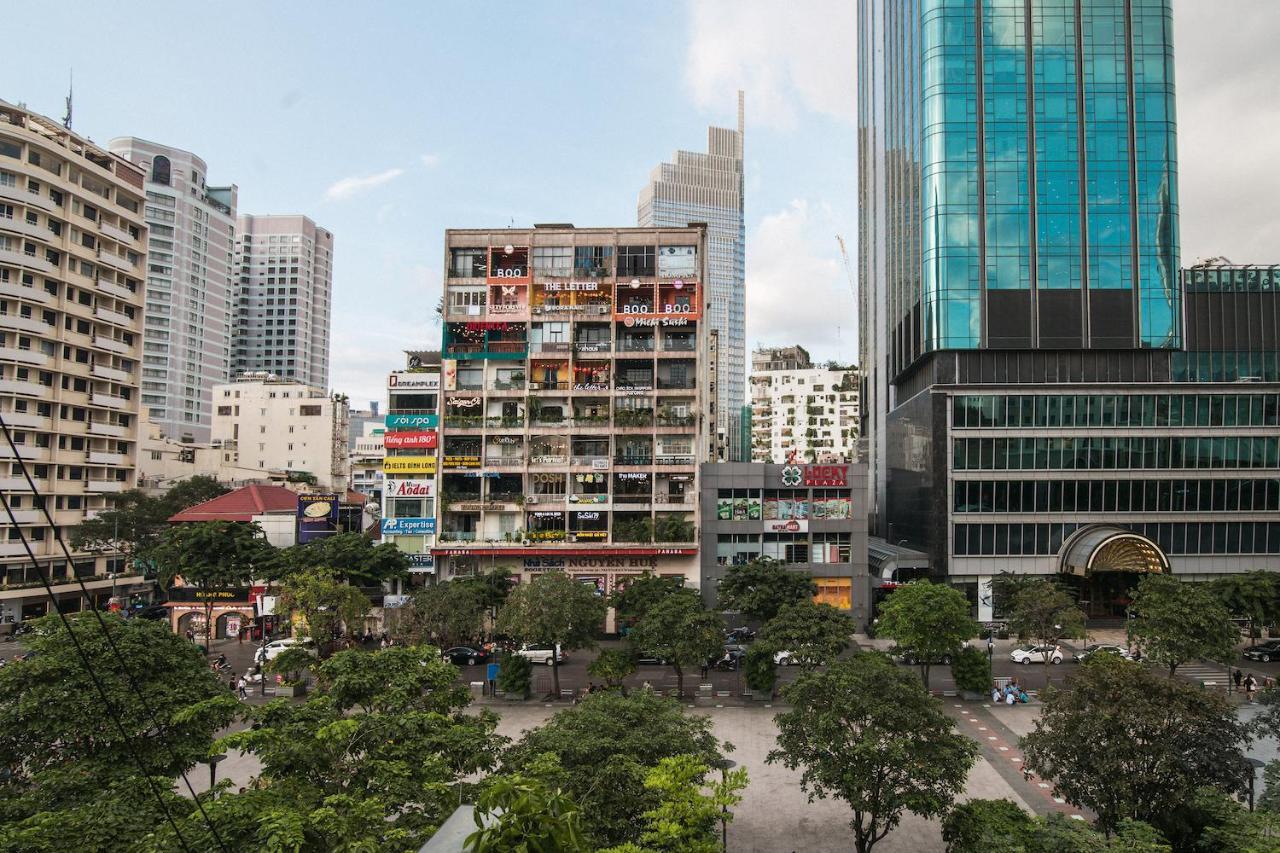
x,y
213,769
725,765
1254,766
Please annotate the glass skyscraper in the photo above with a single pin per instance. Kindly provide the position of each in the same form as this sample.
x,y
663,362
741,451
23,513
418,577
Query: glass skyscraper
x,y
707,188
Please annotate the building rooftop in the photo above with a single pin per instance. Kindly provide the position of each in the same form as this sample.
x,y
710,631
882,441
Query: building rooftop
x,y
241,505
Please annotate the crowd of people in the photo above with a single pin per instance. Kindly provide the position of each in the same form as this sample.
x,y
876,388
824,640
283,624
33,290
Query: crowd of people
x,y
1011,694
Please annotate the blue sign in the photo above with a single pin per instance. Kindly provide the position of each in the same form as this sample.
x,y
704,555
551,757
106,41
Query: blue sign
x,y
408,526
412,421
492,672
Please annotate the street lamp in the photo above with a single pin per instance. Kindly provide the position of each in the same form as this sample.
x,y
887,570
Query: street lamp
x,y
725,765
1254,766
213,770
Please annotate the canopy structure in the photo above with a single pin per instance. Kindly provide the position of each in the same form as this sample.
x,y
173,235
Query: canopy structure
x,y
1103,548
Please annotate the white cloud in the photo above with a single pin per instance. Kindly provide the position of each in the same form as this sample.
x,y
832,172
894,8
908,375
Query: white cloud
x,y
785,55
430,160
797,289
355,184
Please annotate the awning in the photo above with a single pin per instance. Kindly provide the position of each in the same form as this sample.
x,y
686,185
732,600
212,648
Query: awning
x,y
1104,548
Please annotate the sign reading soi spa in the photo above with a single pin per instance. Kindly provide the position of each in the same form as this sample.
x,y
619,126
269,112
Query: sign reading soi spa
x,y
423,440
408,526
412,421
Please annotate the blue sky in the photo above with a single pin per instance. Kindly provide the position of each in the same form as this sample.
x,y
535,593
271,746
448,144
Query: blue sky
x,y
484,114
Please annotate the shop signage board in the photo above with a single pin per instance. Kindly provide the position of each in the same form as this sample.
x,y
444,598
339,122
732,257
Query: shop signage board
x,y
421,563
398,422
419,440
317,517
408,526
462,462
409,465
794,525
408,488
414,381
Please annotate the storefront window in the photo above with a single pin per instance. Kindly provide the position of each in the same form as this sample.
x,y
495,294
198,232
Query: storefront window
x,y
838,592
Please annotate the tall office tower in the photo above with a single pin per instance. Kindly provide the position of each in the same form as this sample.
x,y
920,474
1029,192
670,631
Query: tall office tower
x,y
283,314
1019,227
707,188
573,401
187,333
801,411
73,253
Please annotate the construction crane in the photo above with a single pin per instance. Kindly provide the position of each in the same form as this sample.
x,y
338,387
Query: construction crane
x,y
848,268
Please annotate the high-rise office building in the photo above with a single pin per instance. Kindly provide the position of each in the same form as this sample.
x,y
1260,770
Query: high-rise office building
x,y
1022,308
708,188
187,331
573,401
73,256
284,294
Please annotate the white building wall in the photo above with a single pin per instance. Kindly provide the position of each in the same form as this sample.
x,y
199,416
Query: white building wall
x,y
812,412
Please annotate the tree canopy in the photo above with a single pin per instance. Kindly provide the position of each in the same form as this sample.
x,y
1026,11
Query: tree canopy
x,y
556,609
634,600
1041,611
678,630
931,620
135,520
762,587
691,804
1253,595
325,603
814,634
353,557
1000,826
212,554
446,614
1127,743
1175,622
868,733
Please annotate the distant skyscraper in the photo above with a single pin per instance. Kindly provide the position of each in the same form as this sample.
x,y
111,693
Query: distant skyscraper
x,y
707,188
284,296
187,333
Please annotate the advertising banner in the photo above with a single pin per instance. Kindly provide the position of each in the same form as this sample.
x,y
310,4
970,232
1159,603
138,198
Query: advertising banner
x,y
412,421
414,381
317,517
408,526
408,488
409,465
414,439
422,563
462,462
792,526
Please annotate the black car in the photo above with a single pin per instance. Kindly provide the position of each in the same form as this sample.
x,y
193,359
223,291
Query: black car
x,y
465,655
910,658
739,635
1265,652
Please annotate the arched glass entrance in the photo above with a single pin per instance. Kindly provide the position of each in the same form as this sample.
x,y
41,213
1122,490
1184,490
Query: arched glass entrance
x,y
1106,563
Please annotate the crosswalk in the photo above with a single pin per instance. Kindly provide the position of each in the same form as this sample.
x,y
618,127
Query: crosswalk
x,y
1202,672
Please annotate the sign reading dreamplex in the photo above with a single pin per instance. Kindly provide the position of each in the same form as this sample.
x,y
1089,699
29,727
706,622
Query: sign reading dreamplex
x,y
408,488
414,381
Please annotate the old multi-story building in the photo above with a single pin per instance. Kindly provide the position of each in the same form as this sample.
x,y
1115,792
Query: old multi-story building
x,y
73,241
411,445
574,400
282,426
801,411
283,315
366,463
187,334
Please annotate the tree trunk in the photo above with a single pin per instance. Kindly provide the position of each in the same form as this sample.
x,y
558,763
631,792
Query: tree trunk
x,y
924,675
555,672
1173,667
208,629
679,680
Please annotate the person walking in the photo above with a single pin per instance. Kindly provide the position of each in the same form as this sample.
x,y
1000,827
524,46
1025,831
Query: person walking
x,y
243,685
231,682
1250,685
1237,677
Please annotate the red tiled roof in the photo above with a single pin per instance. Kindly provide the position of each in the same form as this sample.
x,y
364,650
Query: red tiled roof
x,y
241,505
354,497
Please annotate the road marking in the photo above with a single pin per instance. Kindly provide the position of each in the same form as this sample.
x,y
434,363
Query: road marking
x,y
1059,801
1043,784
991,737
1004,749
982,728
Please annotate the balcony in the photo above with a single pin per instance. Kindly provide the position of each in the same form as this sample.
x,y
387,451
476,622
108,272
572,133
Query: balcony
x,y
676,420
22,259
632,500
16,549
26,419
507,385
553,347
673,500
463,421
25,451
25,356
27,324
114,317
504,461
112,430
112,373
549,386
115,233
505,423
676,384
107,400
19,484
457,536
104,486
634,345
30,389
112,289
111,345
24,196
35,294
116,262
508,350
598,462
682,460
633,418
97,457
633,459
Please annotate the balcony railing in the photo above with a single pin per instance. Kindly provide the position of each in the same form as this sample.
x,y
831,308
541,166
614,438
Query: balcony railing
x,y
632,499
674,459
633,459
676,420
673,345
551,346
504,460
463,421
500,422
675,384
593,460
548,386
633,345
669,500
507,385
457,536
633,418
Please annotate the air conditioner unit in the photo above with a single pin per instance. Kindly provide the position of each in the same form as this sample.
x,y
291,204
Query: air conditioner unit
x,y
525,542
530,500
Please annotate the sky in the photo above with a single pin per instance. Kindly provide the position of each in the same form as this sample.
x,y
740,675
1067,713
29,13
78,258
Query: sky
x,y
389,122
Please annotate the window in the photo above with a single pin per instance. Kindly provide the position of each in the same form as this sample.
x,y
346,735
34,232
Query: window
x,y
467,263
678,261
160,170
593,261
636,261
553,261
309,411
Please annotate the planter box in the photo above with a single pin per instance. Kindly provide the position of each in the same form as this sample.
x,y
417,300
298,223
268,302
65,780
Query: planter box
x,y
291,690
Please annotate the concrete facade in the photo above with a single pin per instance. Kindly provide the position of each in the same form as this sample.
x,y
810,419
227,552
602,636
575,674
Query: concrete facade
x,y
800,410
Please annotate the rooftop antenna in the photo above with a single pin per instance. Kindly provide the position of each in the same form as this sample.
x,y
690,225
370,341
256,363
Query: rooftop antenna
x,y
66,119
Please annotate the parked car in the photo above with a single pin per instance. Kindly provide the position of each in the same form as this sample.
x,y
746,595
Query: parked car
x,y
541,653
1265,652
786,658
649,659
465,655
739,635
1036,654
1101,648
910,658
151,611
275,648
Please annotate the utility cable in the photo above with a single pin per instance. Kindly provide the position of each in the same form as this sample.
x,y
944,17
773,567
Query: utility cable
x,y
134,686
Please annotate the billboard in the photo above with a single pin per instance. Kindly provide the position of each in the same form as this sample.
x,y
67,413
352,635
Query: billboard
x,y
409,465
791,526
408,526
412,421
317,517
421,440
408,488
414,381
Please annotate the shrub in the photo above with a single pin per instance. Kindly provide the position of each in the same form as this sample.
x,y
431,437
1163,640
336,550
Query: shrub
x,y
974,826
971,670
515,675
760,671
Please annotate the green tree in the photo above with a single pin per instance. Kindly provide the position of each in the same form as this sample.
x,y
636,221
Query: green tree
x,y
813,634
1253,596
135,521
606,745
555,609
1176,622
983,826
930,620
71,777
759,670
689,807
1158,740
325,603
351,556
292,663
678,631
211,555
971,670
525,815
515,674
613,665
446,614
762,587
493,587
1042,612
634,600
868,733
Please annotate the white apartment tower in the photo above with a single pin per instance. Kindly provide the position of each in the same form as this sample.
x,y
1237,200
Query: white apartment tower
x,y
801,411
73,256
707,188
283,312
187,332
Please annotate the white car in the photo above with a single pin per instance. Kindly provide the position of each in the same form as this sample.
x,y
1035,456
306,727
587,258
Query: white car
x,y
1036,654
273,649
540,653
785,658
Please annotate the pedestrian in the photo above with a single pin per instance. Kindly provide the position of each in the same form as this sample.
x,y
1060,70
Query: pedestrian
x,y
991,646
231,682
1237,677
243,684
240,635
704,670
191,637
1250,685
383,644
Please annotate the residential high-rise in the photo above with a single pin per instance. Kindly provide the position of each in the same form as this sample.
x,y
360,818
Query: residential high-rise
x,y
283,313
1035,402
73,256
707,188
573,401
187,336
802,412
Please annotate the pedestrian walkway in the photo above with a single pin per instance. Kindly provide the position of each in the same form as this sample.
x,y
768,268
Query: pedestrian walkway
x,y
1203,672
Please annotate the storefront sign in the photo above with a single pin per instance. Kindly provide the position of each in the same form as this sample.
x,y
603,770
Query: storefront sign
x,y
409,465
548,460
826,475
412,421
317,517
633,475
588,499
462,462
552,563
791,526
421,563
589,534
505,439
462,402
408,526
408,488
592,346
418,440
587,516
649,322
571,285
591,386
414,381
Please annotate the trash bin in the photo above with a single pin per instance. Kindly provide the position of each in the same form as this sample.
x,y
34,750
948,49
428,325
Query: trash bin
x,y
477,689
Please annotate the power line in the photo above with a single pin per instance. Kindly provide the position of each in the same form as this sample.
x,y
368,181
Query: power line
x,y
134,686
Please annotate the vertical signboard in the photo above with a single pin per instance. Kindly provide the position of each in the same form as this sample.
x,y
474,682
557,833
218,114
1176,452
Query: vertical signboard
x,y
317,517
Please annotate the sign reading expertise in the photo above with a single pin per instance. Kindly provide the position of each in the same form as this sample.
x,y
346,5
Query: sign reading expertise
x,y
409,465
422,440
412,421
317,517
408,526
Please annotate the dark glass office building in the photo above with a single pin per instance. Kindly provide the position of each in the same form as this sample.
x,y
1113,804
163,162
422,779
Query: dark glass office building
x,y
1045,393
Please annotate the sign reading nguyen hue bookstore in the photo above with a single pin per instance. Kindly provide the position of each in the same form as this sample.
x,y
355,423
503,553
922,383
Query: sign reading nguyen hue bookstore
x,y
409,465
